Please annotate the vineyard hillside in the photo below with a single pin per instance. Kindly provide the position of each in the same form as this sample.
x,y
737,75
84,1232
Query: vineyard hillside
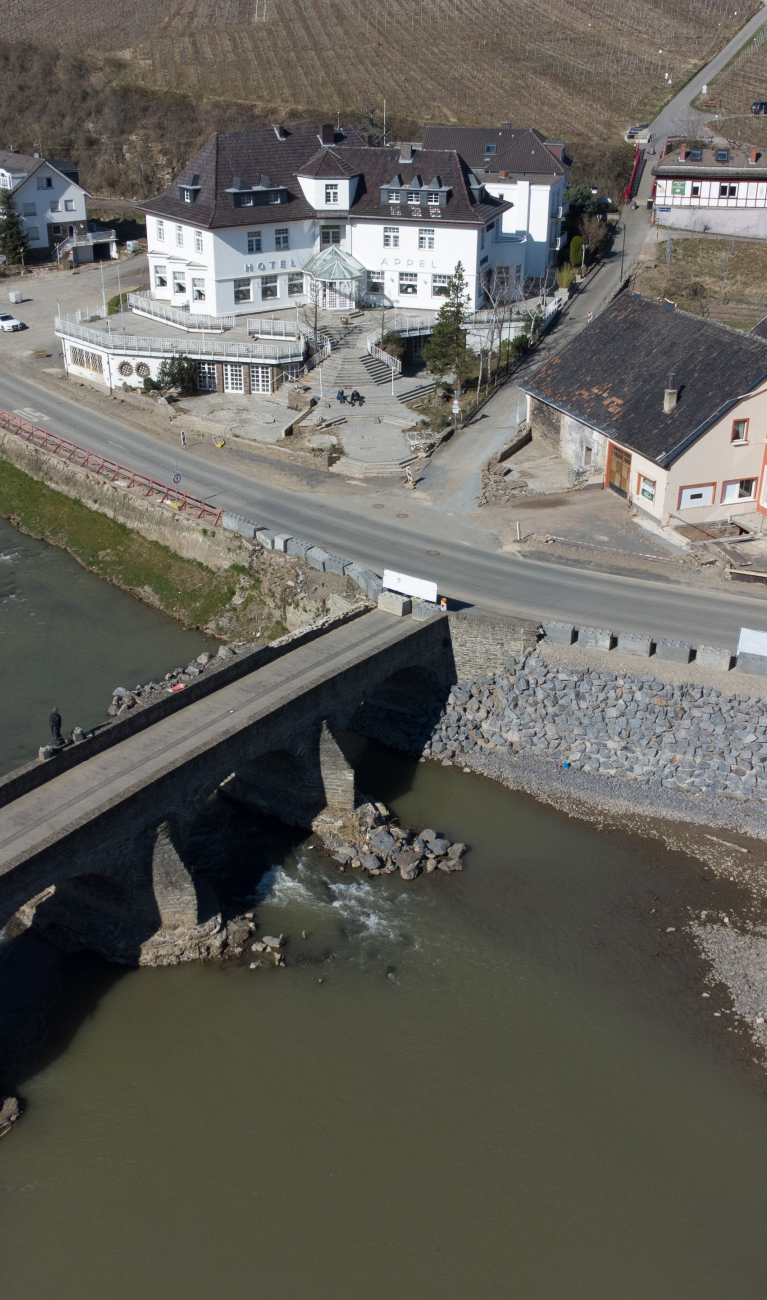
x,y
580,69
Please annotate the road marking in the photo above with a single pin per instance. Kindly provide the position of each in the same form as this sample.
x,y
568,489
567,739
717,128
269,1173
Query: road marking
x,y
27,413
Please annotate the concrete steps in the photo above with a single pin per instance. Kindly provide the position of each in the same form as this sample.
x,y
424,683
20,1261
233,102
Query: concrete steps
x,y
412,394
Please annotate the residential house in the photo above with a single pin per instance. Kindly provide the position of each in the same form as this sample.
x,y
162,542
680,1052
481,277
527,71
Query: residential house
x,y
671,408
717,189
262,220
525,169
48,197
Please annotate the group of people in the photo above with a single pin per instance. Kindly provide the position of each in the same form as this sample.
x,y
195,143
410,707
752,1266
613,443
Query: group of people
x,y
354,396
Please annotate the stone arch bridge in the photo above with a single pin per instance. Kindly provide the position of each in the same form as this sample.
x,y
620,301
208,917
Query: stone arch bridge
x,y
102,836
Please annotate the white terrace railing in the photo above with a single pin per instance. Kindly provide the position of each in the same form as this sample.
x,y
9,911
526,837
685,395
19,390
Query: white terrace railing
x,y
380,355
272,327
82,241
191,321
134,345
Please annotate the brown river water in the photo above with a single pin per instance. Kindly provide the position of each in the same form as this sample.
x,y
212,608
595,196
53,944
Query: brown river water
x,y
485,1084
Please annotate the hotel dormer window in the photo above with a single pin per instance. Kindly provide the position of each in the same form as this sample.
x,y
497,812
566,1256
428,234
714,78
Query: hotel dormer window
x,y
331,193
433,197
394,196
413,196
274,196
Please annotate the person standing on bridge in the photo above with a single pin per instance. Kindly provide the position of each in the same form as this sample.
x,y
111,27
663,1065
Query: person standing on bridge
x,y
54,722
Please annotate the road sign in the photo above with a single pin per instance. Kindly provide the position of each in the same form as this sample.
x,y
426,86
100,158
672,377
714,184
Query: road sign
x,y
456,408
176,478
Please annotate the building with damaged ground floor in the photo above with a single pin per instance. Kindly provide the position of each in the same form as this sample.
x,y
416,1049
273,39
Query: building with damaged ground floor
x,y
669,408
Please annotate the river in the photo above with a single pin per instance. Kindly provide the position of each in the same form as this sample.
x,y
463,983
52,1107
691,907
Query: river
x,y
485,1084
68,638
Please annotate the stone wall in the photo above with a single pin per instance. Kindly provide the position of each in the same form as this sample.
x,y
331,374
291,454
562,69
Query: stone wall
x,y
620,725
484,643
546,424
181,533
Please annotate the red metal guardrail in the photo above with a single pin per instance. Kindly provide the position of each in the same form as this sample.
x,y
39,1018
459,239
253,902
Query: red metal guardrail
x,y
118,474
627,193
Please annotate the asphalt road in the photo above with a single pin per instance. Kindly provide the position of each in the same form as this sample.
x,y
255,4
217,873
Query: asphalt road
x,y
470,566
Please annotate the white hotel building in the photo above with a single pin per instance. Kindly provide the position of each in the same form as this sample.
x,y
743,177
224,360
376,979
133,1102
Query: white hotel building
x,y
262,220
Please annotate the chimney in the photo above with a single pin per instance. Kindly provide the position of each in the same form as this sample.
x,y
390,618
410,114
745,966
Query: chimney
x,y
369,141
502,175
683,153
327,133
671,396
752,157
406,153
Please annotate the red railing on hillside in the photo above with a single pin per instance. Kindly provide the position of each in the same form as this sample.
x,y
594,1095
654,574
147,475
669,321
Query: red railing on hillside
x,y
628,193
118,474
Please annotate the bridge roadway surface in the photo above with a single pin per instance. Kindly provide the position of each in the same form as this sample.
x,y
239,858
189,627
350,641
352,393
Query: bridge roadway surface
x,y
75,797
470,567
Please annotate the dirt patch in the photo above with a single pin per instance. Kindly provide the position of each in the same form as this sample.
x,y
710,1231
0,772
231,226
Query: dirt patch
x,y
720,279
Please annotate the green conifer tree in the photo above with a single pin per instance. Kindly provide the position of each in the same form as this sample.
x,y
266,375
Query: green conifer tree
x,y
13,241
446,349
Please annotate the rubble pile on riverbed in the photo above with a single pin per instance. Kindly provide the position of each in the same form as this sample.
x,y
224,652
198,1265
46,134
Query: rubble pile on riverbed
x,y
369,839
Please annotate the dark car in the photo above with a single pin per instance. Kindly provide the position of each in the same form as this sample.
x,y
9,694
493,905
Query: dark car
x,y
759,106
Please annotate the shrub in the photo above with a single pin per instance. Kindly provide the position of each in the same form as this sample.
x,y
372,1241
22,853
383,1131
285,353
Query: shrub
x,y
179,373
565,276
576,251
114,304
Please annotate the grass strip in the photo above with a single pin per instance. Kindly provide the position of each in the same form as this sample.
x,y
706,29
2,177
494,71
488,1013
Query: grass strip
x,y
186,589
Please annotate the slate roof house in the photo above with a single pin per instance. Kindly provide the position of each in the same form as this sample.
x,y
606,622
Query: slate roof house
x,y
48,197
260,220
719,188
525,169
671,408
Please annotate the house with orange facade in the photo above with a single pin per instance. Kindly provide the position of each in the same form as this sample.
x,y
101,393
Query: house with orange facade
x,y
670,409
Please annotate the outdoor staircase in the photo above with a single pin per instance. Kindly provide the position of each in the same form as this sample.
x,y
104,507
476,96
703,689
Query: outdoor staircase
x,y
377,370
420,390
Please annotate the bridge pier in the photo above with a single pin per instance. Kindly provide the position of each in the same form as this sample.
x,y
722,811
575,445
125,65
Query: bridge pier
x,y
298,783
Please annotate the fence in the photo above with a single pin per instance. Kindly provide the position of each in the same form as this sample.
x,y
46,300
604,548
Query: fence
x,y
109,469
185,320
85,240
380,355
273,327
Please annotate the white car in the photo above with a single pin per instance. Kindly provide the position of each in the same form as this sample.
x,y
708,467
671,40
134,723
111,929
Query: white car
x,y
9,322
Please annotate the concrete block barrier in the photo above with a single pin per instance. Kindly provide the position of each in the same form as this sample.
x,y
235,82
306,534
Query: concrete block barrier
x,y
750,663
423,609
281,541
393,603
334,564
680,652
237,524
598,637
297,547
560,633
713,656
634,643
317,557
266,538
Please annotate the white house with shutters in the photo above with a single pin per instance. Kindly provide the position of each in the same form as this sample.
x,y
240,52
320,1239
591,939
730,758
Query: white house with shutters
x,y
263,220
48,198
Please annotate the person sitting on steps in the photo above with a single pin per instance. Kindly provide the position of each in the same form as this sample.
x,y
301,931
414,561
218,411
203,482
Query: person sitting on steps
x,y
355,397
341,396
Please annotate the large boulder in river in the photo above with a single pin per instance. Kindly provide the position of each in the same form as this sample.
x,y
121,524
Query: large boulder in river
x,y
409,866
10,1111
382,842
439,847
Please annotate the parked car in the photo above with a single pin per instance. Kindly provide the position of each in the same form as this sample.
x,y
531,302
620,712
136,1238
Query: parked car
x,y
9,322
759,106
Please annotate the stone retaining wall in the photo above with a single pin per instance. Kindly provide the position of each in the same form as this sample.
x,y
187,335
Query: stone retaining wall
x,y
181,533
621,725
